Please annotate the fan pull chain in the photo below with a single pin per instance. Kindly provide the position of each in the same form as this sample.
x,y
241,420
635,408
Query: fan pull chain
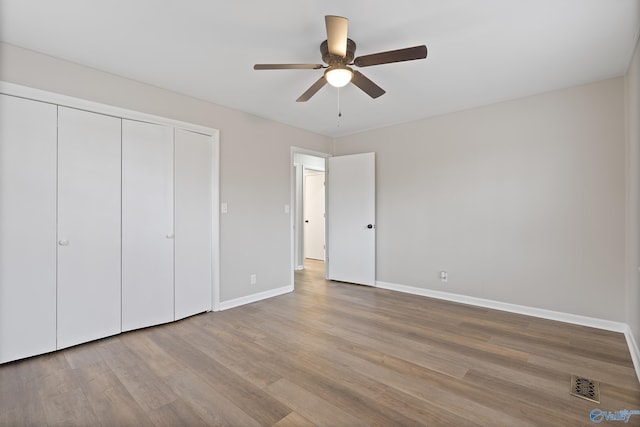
x,y
339,110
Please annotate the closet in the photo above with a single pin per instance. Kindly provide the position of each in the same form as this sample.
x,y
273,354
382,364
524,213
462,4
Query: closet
x,y
106,223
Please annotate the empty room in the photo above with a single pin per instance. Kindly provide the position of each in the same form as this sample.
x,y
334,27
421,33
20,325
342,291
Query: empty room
x,y
319,213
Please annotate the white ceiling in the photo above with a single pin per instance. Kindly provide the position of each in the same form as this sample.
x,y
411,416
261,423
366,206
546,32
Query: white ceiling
x,y
480,51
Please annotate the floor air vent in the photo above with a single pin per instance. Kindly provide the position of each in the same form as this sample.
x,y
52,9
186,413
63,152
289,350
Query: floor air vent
x,y
585,388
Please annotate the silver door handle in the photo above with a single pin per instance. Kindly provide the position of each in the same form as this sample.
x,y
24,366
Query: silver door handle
x,y
63,242
170,236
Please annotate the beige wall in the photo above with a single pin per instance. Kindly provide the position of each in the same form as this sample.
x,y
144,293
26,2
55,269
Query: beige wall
x,y
632,91
521,202
254,161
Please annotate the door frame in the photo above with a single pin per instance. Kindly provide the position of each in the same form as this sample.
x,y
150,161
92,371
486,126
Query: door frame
x,y
294,208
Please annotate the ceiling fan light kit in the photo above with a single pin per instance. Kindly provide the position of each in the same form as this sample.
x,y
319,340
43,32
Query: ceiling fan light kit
x,y
338,52
338,76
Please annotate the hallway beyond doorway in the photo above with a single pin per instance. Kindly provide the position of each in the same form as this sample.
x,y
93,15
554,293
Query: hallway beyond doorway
x,y
312,274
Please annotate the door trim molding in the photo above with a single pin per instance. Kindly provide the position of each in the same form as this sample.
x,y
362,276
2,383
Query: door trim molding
x,y
96,107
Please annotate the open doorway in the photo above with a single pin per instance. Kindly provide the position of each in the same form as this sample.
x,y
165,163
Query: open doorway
x,y
350,238
309,210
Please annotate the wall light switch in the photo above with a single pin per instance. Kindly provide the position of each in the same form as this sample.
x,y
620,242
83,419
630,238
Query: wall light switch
x,y
286,209
223,207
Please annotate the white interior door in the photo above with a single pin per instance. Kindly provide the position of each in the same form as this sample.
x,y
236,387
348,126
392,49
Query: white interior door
x,y
193,223
88,226
28,228
314,215
351,219
147,224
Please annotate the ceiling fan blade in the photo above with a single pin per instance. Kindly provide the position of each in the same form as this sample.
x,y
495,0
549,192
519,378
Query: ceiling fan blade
x,y
369,87
287,66
312,90
407,54
337,34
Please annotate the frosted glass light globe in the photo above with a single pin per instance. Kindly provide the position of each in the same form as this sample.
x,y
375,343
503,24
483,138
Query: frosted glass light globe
x,y
338,76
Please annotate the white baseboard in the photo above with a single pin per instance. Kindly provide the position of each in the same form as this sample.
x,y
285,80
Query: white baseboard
x,y
529,311
633,349
512,308
225,305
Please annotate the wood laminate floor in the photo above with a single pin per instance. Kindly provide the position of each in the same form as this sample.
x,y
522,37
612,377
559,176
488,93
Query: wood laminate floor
x,y
328,354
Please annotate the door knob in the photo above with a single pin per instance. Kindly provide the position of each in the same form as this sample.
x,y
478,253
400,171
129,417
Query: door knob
x,y
63,242
306,221
370,226
170,236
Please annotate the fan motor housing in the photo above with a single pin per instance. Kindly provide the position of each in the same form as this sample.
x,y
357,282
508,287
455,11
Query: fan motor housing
x,y
333,59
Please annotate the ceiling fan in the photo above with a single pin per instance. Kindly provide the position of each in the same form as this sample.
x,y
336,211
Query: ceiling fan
x,y
338,53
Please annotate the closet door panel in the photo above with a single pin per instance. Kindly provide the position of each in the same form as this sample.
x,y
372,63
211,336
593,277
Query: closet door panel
x,y
89,156
147,224
192,223
27,228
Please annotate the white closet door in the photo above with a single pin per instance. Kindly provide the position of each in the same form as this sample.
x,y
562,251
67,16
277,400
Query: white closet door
x,y
27,228
88,226
192,223
147,224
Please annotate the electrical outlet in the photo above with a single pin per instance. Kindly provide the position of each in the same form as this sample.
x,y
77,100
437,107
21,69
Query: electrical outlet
x,y
253,279
444,276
